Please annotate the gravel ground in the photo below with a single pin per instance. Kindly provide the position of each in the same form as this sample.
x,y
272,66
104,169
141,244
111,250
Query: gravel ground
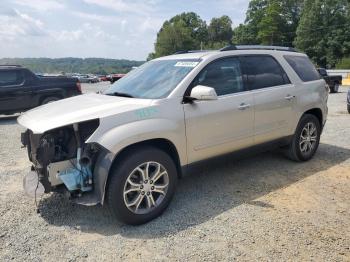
x,y
262,207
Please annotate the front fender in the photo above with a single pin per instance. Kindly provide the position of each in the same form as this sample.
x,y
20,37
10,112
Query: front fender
x,y
119,137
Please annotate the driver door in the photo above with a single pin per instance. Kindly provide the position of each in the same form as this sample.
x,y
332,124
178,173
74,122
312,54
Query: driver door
x,y
220,126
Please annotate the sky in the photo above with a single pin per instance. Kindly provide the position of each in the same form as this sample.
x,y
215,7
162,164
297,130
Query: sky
x,y
120,29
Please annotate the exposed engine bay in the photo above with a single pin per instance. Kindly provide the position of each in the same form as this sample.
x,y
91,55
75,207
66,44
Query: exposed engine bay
x,y
62,159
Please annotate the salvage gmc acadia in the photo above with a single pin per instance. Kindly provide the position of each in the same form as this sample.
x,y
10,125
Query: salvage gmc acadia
x,y
128,146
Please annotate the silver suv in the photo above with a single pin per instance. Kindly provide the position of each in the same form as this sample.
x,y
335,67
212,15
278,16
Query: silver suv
x,y
128,146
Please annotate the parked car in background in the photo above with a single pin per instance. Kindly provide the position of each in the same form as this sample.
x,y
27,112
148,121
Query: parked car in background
x,y
348,101
20,89
333,82
128,146
116,77
103,78
88,79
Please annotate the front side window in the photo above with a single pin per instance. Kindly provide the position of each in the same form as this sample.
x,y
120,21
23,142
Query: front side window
x,y
263,71
154,79
10,77
303,67
223,75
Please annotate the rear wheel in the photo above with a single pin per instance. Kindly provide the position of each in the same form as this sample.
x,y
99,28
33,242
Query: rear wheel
x,y
141,185
349,109
335,88
305,140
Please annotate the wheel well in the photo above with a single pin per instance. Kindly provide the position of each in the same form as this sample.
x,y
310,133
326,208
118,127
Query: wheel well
x,y
48,96
317,113
160,143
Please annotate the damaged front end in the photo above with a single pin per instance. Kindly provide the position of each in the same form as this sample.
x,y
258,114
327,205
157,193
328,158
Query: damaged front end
x,y
61,158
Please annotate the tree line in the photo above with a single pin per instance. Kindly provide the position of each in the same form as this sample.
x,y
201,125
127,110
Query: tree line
x,y
100,66
320,28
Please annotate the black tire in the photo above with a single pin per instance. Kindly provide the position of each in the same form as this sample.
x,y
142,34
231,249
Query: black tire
x,y
293,151
335,88
119,175
49,100
349,109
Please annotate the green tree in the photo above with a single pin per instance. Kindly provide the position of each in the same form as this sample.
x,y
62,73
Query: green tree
x,y
244,34
247,33
291,13
182,32
220,32
344,63
270,27
197,26
269,21
323,31
173,37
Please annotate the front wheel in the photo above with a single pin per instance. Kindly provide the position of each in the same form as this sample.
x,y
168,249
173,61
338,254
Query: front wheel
x,y
349,109
305,140
141,186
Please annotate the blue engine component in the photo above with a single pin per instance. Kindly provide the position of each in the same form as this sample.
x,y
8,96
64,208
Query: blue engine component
x,y
77,178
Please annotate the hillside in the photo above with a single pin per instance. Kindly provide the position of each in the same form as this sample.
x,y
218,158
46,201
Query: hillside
x,y
73,65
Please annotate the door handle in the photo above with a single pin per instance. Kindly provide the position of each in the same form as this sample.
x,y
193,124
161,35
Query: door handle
x,y
243,106
289,97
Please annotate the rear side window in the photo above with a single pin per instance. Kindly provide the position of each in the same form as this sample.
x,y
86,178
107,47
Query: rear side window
x,y
303,67
10,77
263,71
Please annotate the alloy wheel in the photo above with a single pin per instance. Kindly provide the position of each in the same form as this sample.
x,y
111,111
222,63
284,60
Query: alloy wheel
x,y
146,187
308,138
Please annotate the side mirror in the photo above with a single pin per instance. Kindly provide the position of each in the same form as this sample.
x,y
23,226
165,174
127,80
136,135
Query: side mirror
x,y
203,93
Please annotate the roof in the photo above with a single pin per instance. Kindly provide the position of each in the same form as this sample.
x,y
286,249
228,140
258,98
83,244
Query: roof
x,y
250,50
190,55
10,66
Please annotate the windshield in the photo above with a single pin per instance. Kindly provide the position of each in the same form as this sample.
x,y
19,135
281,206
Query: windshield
x,y
154,79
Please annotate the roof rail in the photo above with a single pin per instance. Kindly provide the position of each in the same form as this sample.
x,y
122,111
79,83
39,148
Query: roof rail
x,y
258,47
228,48
190,51
11,65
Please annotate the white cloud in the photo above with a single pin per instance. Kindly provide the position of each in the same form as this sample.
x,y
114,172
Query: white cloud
x,y
138,7
41,5
96,28
17,24
87,33
151,24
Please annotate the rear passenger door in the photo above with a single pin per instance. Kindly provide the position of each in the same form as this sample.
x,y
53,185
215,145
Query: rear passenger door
x,y
274,97
14,94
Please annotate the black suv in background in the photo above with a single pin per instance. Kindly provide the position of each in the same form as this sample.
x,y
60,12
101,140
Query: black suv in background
x,y
20,89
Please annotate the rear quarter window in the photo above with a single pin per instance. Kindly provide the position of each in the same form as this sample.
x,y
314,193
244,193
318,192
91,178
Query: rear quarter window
x,y
10,77
303,67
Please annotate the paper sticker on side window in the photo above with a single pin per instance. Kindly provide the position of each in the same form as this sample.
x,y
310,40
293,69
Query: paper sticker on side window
x,y
186,64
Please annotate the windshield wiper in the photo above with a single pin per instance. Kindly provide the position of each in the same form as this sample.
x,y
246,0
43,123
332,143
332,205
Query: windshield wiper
x,y
120,94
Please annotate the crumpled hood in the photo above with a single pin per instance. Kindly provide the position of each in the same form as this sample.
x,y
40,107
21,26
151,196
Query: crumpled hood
x,y
78,109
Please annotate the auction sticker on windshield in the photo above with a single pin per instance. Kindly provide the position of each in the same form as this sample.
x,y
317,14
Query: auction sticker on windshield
x,y
186,64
